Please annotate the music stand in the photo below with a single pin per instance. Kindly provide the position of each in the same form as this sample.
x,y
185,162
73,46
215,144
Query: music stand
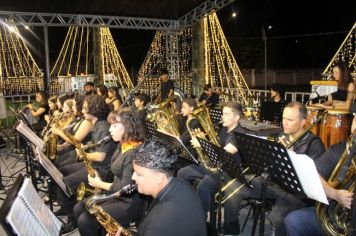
x,y
223,160
215,114
272,111
271,161
6,205
151,131
177,145
55,175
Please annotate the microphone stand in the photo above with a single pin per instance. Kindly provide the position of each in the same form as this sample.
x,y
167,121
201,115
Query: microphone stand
x,y
133,91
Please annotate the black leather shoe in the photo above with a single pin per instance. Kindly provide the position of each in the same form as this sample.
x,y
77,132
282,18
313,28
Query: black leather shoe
x,y
68,227
60,212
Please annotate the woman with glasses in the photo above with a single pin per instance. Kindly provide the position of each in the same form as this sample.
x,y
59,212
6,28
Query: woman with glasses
x,y
126,130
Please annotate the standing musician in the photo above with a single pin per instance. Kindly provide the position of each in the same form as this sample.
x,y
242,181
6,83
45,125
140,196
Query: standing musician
x,y
343,97
94,110
167,87
81,132
208,97
277,93
304,222
176,209
126,130
294,115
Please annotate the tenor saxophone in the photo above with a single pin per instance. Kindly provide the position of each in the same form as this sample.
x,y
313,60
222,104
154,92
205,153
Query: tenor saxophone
x,y
108,222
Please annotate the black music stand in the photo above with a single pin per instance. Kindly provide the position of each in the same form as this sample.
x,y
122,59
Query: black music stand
x,y
177,145
55,175
6,206
151,131
223,160
271,161
272,111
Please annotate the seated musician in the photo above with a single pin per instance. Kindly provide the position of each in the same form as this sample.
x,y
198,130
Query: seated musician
x,y
52,108
208,97
81,130
126,130
41,111
209,180
94,110
89,88
114,99
176,209
294,115
167,87
343,97
304,222
141,101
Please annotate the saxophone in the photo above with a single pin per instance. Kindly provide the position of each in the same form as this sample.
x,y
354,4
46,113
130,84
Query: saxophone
x,y
110,224
87,162
51,139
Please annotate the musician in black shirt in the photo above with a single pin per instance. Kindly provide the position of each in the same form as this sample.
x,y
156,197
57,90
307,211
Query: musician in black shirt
x,y
176,209
294,115
208,97
167,87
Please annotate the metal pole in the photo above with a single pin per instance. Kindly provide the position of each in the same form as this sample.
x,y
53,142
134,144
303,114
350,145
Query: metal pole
x,y
47,72
264,37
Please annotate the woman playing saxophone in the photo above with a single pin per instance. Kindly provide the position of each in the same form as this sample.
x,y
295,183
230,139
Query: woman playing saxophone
x,y
126,130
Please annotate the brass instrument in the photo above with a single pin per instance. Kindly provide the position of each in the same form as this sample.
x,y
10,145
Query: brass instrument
x,y
162,115
334,218
87,162
111,225
224,189
51,139
202,115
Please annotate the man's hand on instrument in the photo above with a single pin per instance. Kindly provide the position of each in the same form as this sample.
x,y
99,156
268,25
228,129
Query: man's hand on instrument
x,y
344,197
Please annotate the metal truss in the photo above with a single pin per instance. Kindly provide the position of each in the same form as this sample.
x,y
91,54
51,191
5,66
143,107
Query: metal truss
x,y
58,19
54,19
201,11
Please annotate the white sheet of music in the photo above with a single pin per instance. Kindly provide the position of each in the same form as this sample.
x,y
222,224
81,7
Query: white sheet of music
x,y
28,133
308,176
30,216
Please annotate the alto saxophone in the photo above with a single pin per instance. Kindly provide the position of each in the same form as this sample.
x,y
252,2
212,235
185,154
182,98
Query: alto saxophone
x,y
110,224
87,162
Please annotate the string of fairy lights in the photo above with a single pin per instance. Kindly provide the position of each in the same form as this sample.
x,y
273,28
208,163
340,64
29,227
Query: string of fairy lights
x,y
88,53
221,69
19,73
163,45
346,53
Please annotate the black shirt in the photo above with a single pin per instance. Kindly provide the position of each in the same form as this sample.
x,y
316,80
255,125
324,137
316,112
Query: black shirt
x,y
101,130
41,118
226,137
309,145
165,88
176,211
327,162
212,100
340,95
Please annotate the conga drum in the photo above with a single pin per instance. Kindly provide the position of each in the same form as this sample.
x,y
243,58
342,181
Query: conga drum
x,y
335,127
314,114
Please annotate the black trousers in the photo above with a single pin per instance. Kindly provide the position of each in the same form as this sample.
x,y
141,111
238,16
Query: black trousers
x,y
284,204
122,212
208,182
66,157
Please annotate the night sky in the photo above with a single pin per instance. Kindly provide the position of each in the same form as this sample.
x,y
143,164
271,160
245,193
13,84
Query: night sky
x,y
304,34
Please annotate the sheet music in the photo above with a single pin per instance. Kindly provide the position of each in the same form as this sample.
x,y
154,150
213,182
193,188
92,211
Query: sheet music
x,y
308,176
52,171
30,216
28,133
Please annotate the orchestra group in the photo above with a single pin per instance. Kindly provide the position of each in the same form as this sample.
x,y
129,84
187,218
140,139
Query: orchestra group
x,y
101,146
